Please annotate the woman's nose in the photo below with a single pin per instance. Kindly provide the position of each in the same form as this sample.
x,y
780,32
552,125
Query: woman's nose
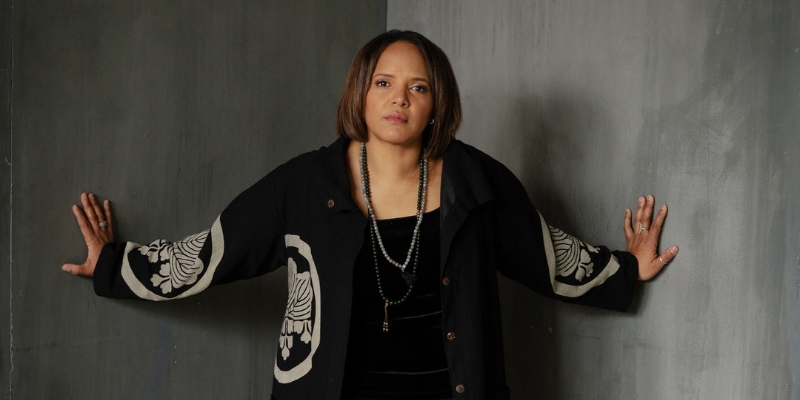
x,y
400,97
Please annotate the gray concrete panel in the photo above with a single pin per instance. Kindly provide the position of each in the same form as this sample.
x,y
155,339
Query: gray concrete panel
x,y
169,109
594,103
5,205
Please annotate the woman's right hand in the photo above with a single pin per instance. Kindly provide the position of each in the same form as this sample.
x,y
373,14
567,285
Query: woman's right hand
x,y
97,230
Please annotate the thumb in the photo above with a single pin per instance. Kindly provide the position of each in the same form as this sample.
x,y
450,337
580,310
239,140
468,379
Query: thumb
x,y
668,254
76,269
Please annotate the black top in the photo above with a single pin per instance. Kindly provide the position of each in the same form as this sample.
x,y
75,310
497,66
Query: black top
x,y
408,361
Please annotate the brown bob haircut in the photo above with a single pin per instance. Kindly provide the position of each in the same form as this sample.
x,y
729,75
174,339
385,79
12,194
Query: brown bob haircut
x,y
350,121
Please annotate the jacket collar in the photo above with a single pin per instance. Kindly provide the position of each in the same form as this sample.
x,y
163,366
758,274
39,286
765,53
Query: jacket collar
x,y
464,183
464,187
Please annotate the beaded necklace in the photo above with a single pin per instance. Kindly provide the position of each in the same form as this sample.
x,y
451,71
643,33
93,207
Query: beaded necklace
x,y
375,235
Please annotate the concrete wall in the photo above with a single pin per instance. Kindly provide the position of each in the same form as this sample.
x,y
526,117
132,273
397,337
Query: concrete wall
x,y
5,190
169,109
592,103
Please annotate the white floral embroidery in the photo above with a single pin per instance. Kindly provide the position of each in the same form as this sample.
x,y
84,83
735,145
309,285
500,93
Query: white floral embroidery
x,y
297,319
303,318
180,264
572,255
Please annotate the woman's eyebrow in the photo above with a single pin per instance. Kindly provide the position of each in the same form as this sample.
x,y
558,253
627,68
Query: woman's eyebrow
x,y
381,74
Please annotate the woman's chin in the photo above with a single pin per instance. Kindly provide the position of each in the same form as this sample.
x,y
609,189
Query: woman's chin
x,y
397,139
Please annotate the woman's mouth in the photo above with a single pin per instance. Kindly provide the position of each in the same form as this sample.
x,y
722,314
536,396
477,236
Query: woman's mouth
x,y
396,117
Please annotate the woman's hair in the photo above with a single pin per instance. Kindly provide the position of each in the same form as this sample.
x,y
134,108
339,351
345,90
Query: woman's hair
x,y
350,122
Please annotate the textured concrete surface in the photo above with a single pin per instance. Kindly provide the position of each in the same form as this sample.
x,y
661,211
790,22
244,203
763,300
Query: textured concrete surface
x,y
169,109
5,190
594,103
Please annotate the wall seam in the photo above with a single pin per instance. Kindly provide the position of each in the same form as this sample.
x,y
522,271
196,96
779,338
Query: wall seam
x,y
10,163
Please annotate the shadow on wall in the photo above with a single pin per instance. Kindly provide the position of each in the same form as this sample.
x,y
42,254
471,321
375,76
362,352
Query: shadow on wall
x,y
194,337
532,359
549,135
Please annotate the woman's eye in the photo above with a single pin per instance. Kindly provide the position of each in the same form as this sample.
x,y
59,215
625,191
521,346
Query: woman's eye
x,y
421,89
381,83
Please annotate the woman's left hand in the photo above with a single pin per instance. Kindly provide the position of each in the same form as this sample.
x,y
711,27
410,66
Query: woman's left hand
x,y
643,236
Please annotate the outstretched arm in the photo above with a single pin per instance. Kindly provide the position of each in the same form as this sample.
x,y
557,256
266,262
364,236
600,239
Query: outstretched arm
x,y
97,230
642,238
245,240
558,265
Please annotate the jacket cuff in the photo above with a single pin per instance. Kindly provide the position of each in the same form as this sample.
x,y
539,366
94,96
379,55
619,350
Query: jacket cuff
x,y
630,270
107,281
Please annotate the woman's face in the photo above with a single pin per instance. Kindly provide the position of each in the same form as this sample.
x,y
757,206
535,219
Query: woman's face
x,y
399,101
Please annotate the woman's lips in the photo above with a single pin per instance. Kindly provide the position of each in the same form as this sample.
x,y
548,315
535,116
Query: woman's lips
x,y
396,117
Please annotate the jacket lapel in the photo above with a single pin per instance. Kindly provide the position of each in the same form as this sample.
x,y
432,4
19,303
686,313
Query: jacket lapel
x,y
464,187
334,181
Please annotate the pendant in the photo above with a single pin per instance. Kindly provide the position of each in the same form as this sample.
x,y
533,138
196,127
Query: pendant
x,y
386,316
409,278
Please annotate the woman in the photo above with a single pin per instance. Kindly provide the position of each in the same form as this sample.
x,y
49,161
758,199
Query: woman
x,y
392,236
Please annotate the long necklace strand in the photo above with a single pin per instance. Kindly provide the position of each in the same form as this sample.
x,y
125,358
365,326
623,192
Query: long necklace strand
x,y
410,278
421,194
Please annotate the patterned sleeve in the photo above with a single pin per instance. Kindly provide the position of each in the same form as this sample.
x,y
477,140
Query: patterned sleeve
x,y
555,264
243,242
575,267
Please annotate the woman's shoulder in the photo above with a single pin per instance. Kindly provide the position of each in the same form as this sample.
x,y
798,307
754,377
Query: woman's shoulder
x,y
326,161
473,160
329,156
479,176
324,164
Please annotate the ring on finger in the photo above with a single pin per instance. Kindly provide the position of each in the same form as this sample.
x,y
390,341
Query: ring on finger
x,y
662,261
642,228
103,224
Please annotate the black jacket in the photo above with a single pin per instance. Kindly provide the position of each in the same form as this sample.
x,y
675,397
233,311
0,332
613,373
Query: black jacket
x,y
302,215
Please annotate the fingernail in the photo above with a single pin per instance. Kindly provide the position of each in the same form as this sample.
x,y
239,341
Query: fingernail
x,y
65,268
664,207
673,250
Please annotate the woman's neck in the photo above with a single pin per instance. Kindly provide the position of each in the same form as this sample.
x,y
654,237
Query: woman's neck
x,y
392,163
393,179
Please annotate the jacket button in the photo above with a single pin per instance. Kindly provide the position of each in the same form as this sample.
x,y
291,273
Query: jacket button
x,y
445,281
451,336
330,203
460,388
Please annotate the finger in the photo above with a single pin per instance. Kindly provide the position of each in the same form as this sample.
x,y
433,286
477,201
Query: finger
x,y
83,223
107,207
647,213
658,222
626,224
639,211
96,208
89,211
668,255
